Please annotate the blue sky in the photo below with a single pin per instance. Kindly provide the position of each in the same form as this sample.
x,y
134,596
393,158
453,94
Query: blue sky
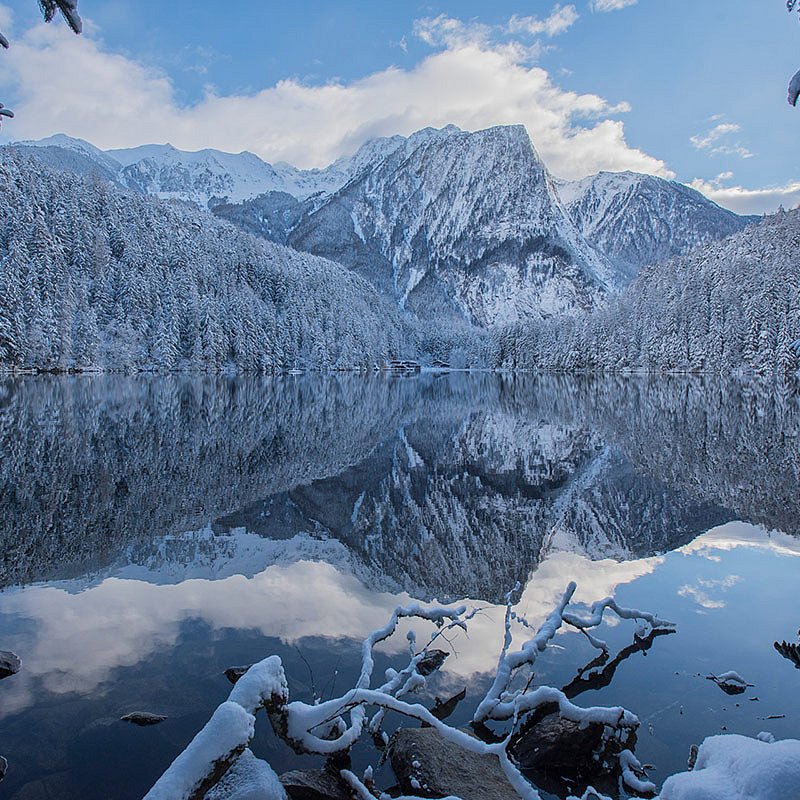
x,y
692,89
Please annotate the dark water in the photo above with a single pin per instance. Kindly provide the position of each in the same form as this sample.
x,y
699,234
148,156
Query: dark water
x,y
156,531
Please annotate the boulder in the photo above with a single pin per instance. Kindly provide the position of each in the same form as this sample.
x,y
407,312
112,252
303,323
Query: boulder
x,y
314,784
555,744
427,765
9,663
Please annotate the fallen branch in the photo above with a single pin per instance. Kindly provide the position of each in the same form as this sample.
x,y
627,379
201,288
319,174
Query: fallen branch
x,y
332,727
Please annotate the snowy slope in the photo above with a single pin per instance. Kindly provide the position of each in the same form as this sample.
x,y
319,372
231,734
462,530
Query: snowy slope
x,y
67,154
636,219
108,279
465,224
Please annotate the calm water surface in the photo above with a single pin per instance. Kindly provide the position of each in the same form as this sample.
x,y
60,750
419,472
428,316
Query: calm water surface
x,y
154,531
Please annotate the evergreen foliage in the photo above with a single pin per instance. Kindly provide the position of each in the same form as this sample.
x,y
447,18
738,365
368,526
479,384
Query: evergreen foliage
x,y
95,278
732,306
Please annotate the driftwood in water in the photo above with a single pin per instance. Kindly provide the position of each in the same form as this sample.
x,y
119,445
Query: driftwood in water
x,y
331,728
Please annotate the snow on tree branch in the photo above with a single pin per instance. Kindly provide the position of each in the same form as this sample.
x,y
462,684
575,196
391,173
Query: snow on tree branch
x,y
502,704
68,9
334,726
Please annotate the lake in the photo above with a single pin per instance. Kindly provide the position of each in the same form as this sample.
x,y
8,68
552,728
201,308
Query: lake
x,y
156,530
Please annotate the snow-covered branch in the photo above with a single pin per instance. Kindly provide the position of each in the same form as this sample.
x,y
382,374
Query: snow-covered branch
x,y
332,727
224,738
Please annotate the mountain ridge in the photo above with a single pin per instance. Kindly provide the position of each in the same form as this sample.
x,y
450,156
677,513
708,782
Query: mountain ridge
x,y
451,226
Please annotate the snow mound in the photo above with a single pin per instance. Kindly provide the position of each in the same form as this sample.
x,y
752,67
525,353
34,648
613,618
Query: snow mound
x,y
249,778
734,767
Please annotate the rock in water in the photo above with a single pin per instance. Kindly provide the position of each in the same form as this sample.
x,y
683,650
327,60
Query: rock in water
x,y
555,744
143,718
730,682
3,767
431,661
9,663
234,673
314,784
428,765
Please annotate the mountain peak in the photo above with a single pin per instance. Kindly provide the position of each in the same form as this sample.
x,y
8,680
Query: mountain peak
x,y
638,219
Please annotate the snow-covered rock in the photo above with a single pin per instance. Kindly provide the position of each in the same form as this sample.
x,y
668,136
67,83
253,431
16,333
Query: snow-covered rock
x,y
736,767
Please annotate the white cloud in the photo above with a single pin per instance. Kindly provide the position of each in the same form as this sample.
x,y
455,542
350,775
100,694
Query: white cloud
x,y
711,141
561,19
6,19
714,135
73,640
445,31
749,201
611,5
74,85
699,594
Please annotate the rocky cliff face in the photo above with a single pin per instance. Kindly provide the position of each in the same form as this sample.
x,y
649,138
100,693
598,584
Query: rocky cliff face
x,y
462,223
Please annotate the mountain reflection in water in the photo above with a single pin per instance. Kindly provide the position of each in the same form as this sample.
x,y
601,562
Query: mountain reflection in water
x,y
443,487
158,530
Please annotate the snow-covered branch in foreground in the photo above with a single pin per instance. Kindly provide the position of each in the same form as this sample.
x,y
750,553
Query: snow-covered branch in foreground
x,y
224,738
334,726
501,704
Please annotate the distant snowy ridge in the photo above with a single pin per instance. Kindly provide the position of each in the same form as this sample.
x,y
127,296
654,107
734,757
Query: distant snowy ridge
x,y
205,176
636,220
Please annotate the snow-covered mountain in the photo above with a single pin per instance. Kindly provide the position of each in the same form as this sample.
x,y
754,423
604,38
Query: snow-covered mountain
x,y
76,156
636,219
460,224
440,486
206,177
450,225
101,278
